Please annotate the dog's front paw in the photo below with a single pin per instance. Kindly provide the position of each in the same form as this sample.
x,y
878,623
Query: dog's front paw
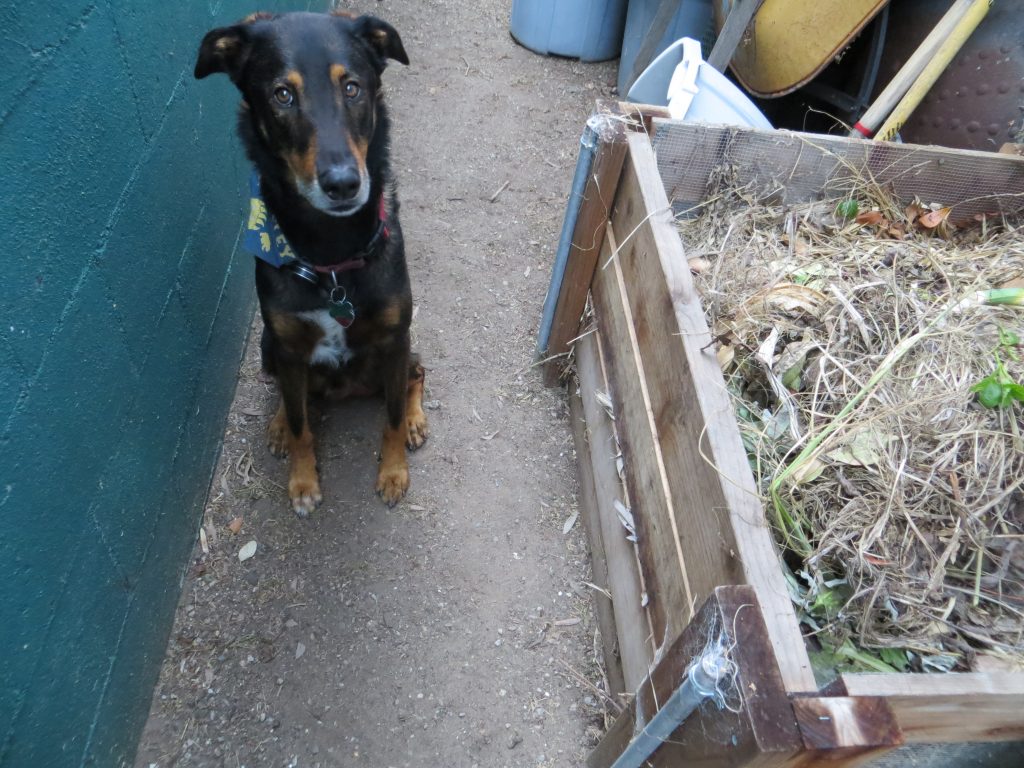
x,y
304,493
416,427
392,482
277,435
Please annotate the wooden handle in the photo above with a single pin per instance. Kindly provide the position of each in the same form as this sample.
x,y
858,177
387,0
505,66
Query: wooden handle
x,y
949,48
915,65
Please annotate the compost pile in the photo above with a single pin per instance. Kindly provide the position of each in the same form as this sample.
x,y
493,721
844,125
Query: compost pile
x,y
877,384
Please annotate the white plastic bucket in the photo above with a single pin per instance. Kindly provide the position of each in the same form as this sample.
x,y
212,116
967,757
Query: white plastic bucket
x,y
714,98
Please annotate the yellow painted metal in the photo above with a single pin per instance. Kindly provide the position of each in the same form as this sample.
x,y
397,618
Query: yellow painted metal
x,y
790,41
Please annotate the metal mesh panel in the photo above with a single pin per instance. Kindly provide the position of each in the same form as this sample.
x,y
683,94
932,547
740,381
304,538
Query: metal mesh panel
x,y
796,167
994,755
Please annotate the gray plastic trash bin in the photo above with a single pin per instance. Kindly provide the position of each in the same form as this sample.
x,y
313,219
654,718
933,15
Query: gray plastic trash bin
x,y
590,30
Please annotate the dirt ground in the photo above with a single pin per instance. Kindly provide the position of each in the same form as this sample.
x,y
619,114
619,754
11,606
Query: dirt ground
x,y
456,629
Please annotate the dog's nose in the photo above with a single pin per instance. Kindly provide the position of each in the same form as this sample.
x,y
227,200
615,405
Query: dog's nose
x,y
340,182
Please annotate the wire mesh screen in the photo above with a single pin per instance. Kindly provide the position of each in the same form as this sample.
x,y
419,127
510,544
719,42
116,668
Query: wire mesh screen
x,y
993,755
796,167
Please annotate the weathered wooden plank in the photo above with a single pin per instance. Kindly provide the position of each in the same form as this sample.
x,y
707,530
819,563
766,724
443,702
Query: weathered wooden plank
x,y
735,26
758,728
796,167
707,519
953,707
615,740
632,627
650,499
845,729
598,563
587,238
643,115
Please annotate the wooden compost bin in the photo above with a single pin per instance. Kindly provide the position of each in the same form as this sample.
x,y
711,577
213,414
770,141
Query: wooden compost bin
x,y
656,434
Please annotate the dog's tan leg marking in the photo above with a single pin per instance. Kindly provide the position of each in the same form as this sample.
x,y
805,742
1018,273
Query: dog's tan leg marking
x,y
277,433
393,473
289,431
415,418
303,484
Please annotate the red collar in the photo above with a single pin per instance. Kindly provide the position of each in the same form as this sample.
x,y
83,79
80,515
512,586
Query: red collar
x,y
343,266
380,236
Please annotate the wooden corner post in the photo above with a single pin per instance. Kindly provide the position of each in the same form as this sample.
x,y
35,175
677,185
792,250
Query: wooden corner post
x,y
752,724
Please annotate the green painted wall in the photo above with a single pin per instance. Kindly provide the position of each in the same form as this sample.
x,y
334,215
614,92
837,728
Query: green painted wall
x,y
124,310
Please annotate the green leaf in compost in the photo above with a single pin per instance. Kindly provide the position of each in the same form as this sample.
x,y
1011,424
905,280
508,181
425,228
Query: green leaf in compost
x,y
990,392
848,209
895,657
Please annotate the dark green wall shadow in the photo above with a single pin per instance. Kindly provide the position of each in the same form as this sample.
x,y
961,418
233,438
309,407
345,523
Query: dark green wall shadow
x,y
125,306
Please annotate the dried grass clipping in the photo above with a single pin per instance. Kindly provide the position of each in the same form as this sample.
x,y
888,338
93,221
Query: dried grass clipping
x,y
851,337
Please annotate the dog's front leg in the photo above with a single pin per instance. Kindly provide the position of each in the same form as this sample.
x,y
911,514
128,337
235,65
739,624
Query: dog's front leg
x,y
292,423
393,472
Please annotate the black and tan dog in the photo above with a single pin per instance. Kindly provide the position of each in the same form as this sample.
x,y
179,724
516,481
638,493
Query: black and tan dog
x,y
336,312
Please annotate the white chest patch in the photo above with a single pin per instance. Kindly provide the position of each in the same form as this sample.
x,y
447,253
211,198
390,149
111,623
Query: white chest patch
x,y
332,349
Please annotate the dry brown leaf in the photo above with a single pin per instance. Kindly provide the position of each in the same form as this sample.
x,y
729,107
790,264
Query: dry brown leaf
x,y
247,551
790,297
807,472
914,211
235,525
896,230
725,355
932,219
870,218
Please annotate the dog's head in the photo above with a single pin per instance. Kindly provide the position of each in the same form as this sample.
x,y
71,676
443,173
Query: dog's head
x,y
310,88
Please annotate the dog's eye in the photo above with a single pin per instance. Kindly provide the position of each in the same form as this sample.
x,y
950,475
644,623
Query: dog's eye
x,y
352,89
283,96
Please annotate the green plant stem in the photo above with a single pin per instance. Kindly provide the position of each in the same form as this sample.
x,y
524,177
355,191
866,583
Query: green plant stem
x,y
1011,296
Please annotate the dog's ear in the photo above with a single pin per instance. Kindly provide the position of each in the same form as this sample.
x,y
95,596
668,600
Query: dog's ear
x,y
382,37
224,49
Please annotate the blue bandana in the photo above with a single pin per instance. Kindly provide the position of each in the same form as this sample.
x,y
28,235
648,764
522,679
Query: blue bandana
x,y
263,237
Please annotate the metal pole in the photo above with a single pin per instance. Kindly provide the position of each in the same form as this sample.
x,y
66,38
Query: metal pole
x,y
584,164
701,683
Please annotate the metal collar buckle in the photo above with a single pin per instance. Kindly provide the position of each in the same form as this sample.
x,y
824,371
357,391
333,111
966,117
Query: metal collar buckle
x,y
302,271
